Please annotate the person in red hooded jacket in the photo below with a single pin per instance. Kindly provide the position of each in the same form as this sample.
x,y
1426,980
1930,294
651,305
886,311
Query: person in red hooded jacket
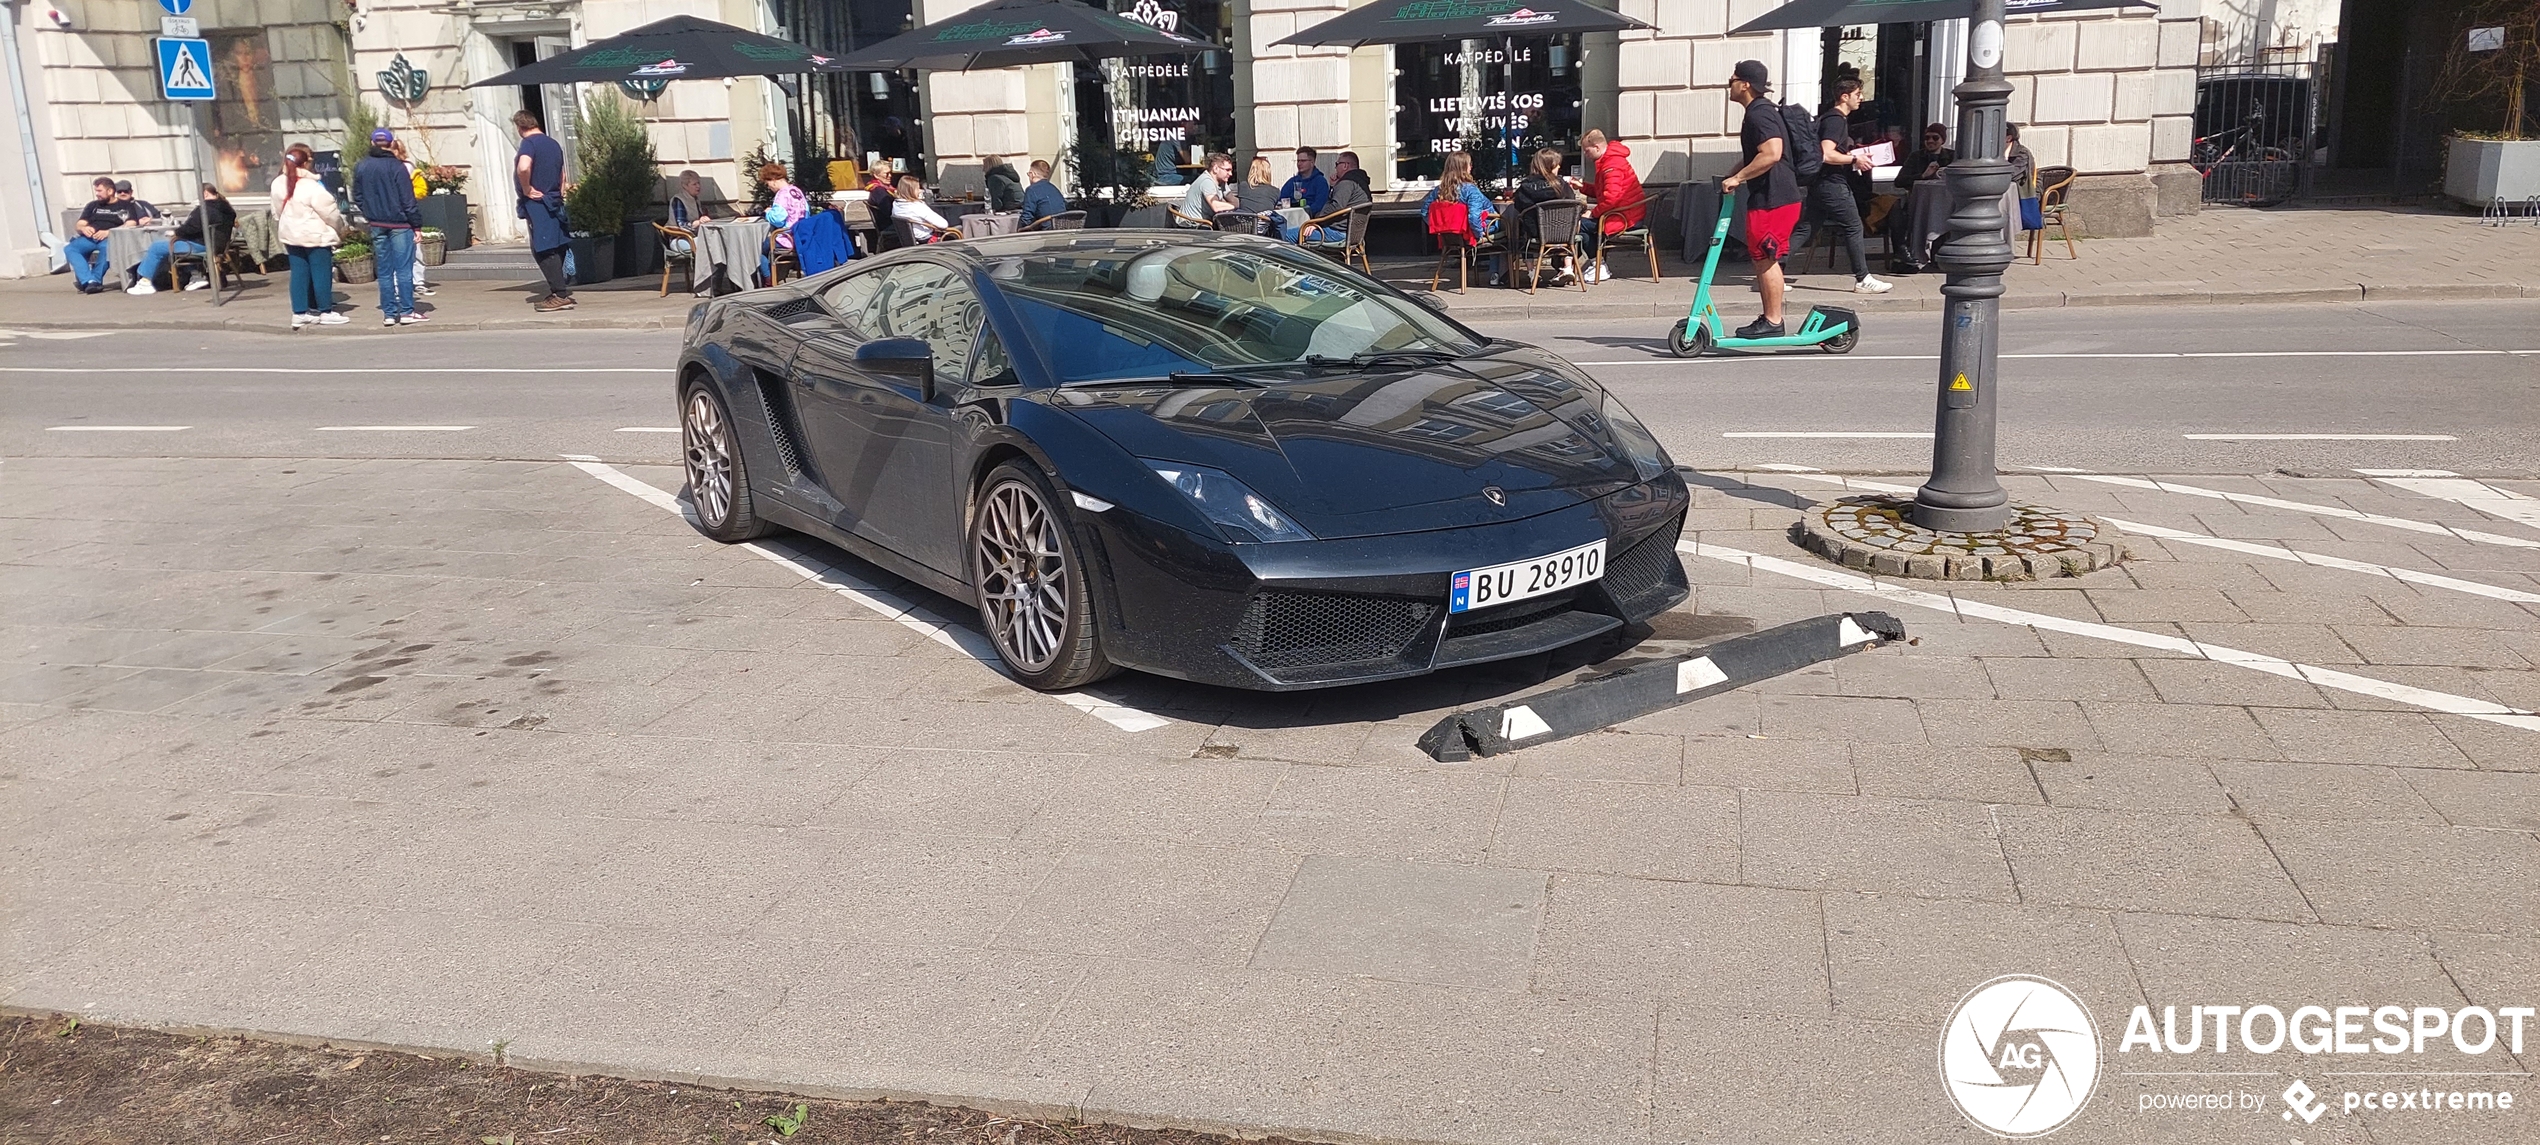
x,y
1615,187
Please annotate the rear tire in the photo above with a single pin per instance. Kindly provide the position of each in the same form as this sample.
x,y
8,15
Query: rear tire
x,y
718,476
1034,593
1844,342
1689,339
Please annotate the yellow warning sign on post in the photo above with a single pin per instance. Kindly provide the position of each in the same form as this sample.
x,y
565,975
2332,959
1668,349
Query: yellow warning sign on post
x,y
1960,383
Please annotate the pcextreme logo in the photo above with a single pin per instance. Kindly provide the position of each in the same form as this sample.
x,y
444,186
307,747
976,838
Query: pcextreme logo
x,y
2020,1056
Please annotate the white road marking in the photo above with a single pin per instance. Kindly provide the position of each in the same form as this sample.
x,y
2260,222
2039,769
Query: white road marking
x,y
2319,437
2287,553
2445,485
2185,354
1865,433
911,615
332,370
115,428
2337,511
1778,467
648,429
2426,698
394,428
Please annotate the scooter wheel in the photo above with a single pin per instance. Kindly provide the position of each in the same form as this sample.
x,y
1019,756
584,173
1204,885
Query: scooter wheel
x,y
1844,342
1689,339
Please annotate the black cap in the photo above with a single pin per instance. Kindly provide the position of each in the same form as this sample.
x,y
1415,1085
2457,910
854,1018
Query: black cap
x,y
1755,74
123,186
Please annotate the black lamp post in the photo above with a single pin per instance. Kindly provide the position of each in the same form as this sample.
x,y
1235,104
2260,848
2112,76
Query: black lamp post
x,y
1965,493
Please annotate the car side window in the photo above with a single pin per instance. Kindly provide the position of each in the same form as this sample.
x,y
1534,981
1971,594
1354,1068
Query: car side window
x,y
990,365
931,303
851,298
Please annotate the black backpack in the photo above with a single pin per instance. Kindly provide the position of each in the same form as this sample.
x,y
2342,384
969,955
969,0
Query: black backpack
x,y
1801,143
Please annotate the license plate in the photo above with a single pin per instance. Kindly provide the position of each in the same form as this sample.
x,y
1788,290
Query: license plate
x,y
1517,580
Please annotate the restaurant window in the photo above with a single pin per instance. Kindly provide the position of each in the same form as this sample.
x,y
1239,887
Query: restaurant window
x,y
1183,106
1497,99
242,126
864,116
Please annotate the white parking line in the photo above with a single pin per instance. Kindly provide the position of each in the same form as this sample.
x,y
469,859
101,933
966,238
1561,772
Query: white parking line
x,y
2319,437
2086,355
1861,433
2287,553
648,429
2337,511
913,616
115,428
2426,698
394,428
2445,485
192,369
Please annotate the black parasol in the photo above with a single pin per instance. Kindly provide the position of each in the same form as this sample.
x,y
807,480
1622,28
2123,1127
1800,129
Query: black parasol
x,y
1424,21
679,48
1020,32
1846,13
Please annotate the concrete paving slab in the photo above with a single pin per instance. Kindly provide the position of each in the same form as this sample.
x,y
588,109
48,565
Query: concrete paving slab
x,y
1406,922
2127,860
1146,900
2372,873
1618,829
1832,842
1660,941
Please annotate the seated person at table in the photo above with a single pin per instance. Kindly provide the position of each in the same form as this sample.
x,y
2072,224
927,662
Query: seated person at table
x,y
1346,193
1346,170
142,209
1259,196
214,213
87,248
1614,187
1543,184
1307,188
1041,200
1211,192
919,223
1926,214
1005,188
1167,171
1455,185
788,206
688,202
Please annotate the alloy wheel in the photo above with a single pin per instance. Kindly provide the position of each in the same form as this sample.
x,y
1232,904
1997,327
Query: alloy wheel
x,y
708,448
1022,576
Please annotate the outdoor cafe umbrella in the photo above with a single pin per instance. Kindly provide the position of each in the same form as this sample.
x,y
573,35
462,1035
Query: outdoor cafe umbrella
x,y
679,48
1431,21
1846,13
1019,32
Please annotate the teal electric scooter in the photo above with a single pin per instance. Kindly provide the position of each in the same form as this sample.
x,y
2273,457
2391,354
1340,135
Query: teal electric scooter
x,y
1830,328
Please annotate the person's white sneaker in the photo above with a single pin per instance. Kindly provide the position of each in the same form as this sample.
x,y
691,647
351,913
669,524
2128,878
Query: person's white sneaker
x,y
1871,284
142,287
331,318
199,284
300,320
1603,272
410,319
387,321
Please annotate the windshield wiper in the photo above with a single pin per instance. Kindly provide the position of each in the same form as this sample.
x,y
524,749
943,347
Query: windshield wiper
x,y
1385,358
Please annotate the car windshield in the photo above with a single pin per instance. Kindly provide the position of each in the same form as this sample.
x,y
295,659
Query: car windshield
x,y
1153,311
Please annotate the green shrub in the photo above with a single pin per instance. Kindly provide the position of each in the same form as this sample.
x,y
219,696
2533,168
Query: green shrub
x,y
620,169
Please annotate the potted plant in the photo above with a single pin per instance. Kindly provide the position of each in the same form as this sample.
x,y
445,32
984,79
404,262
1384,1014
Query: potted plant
x,y
353,262
612,144
594,258
2486,82
444,206
433,244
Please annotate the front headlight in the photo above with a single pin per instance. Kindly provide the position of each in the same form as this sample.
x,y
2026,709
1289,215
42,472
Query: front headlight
x,y
1638,443
1230,504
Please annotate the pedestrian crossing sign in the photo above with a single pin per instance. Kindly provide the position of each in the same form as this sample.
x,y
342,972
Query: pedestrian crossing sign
x,y
185,68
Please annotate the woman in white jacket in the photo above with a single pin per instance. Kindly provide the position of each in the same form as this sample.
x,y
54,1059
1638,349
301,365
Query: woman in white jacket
x,y
305,218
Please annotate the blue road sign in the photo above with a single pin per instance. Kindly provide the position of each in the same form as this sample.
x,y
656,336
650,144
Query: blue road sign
x,y
185,67
176,7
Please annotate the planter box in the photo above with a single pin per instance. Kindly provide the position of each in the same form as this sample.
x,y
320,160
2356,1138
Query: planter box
x,y
434,248
449,213
2481,171
638,250
362,269
594,259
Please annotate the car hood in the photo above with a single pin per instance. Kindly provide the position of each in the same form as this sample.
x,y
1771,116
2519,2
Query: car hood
x,y
1352,454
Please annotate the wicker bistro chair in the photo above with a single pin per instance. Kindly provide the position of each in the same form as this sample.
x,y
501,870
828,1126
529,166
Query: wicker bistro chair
x,y
1451,224
1634,236
670,253
1239,222
1062,221
2050,213
1353,239
1181,219
1556,226
216,259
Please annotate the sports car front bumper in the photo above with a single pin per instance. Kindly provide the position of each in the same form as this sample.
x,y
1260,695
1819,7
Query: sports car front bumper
x,y
1315,614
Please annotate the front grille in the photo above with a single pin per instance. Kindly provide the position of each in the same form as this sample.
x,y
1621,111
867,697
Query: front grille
x,y
1287,630
1647,572
1507,616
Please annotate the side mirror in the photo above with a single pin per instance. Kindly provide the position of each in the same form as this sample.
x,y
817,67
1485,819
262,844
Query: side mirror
x,y
909,358
1430,300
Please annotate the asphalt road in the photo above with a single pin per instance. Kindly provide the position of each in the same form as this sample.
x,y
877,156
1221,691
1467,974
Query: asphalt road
x,y
2114,389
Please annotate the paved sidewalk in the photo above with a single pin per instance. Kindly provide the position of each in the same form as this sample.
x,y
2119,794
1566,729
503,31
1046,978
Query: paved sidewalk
x,y
2215,256
449,754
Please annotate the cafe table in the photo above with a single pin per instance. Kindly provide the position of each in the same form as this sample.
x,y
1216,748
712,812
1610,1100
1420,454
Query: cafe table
x,y
732,248
126,244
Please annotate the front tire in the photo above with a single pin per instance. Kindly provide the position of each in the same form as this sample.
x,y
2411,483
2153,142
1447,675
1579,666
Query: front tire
x,y
718,476
1034,595
1689,339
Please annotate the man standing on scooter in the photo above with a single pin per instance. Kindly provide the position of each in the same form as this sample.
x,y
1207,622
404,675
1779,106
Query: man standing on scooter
x,y
1772,195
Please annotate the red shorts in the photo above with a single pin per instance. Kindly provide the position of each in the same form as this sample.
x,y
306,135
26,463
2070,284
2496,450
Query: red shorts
x,y
1768,231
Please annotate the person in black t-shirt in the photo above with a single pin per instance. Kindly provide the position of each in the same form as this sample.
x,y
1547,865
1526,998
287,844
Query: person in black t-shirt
x,y
1772,190
1832,196
87,249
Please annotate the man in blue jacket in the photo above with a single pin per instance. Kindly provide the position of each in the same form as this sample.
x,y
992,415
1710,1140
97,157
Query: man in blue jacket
x,y
1040,200
1307,188
385,191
